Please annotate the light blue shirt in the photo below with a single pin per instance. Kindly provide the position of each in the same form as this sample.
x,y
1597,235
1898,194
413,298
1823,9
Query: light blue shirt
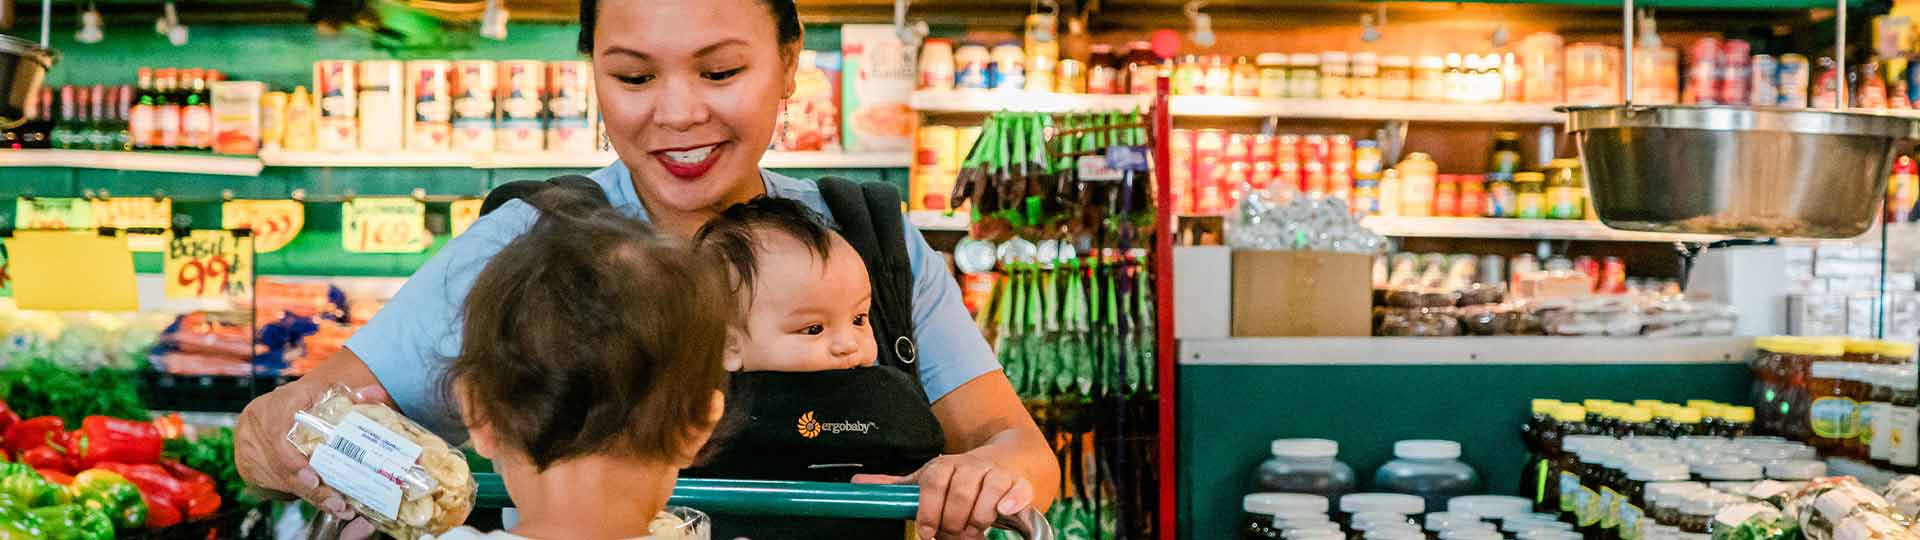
x,y
412,338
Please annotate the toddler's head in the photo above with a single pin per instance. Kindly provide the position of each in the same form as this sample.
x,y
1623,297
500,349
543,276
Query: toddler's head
x,y
802,290
590,336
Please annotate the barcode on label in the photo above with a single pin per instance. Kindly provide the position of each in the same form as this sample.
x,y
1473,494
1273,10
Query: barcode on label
x,y
350,449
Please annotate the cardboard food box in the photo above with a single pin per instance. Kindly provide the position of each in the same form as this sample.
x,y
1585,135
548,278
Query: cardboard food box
x,y
878,70
236,117
1302,294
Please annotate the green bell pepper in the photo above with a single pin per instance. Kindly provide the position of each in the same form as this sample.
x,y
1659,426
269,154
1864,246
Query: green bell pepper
x,y
111,494
20,525
74,522
32,490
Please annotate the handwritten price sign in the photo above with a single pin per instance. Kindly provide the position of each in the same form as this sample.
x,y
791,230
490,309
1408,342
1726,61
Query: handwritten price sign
x,y
384,225
208,264
51,213
274,223
132,212
463,213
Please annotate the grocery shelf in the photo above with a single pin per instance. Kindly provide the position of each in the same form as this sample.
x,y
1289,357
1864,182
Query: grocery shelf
x,y
171,162
984,101
545,160
837,160
1357,109
939,220
286,158
1472,350
1522,229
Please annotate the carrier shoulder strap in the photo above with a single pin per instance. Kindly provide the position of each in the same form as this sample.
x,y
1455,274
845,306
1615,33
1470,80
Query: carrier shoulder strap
x,y
521,189
868,215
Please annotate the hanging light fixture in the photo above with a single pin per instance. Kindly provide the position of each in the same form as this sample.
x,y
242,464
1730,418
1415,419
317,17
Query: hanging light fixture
x,y
91,26
1370,24
493,23
1202,23
169,25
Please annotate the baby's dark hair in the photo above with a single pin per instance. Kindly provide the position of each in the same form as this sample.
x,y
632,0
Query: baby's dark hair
x,y
735,235
590,334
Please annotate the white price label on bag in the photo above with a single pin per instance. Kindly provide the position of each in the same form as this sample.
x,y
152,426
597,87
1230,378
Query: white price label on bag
x,y
366,462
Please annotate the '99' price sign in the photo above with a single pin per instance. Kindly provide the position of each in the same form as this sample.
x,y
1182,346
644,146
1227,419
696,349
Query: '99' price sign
x,y
208,265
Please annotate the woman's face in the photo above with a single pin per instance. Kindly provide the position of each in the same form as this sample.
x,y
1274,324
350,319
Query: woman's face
x,y
690,91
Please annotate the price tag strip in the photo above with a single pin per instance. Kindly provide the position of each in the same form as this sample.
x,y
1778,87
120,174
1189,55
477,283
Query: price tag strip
x,y
274,223
52,213
384,225
463,213
136,213
208,265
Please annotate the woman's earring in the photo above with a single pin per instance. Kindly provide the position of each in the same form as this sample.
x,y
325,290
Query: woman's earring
x,y
780,132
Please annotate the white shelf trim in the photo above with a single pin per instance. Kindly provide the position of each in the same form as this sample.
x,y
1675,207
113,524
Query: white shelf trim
x,y
1522,229
987,101
938,220
1472,350
286,158
133,161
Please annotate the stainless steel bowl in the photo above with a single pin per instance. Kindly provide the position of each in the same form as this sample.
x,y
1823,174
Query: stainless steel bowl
x,y
23,65
1738,171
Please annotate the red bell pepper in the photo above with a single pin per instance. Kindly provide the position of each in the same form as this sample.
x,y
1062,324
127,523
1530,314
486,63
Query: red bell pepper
x,y
203,497
54,476
45,457
166,496
104,439
32,433
7,417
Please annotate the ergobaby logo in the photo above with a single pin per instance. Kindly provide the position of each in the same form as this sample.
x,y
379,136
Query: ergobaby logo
x,y
809,427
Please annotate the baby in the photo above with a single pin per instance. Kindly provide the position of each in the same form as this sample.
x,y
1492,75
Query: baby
x,y
803,290
590,370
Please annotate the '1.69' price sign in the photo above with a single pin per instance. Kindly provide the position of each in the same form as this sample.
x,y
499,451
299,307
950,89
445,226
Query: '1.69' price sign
x,y
208,264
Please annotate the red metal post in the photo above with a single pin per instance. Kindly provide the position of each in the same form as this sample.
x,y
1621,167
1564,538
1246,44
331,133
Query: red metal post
x,y
1166,356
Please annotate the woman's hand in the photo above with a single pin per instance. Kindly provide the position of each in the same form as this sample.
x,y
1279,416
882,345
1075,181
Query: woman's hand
x,y
962,494
265,459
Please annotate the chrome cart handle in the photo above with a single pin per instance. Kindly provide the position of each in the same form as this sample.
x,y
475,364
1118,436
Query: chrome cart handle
x,y
1030,524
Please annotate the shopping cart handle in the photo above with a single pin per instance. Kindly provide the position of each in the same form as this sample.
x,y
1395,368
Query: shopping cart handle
x,y
799,499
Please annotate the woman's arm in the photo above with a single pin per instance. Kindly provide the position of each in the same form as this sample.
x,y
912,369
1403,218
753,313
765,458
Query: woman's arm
x,y
985,418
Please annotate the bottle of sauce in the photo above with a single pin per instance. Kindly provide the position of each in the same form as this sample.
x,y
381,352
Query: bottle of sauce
x,y
1429,79
1903,450
1473,195
1246,78
1390,194
1303,78
1418,178
1529,195
1687,422
1189,76
1334,75
1446,196
301,123
1143,68
1364,79
1217,78
1565,190
1103,70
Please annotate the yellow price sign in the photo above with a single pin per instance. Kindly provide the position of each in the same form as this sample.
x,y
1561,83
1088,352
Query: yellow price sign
x,y
384,225
136,212
71,271
463,213
208,264
274,223
52,213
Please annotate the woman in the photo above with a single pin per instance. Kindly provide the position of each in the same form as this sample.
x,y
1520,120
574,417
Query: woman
x,y
690,91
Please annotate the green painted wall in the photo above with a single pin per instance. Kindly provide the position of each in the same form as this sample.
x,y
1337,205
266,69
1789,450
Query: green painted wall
x,y
282,56
1229,414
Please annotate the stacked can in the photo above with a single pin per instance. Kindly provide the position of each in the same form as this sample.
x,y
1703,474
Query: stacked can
x,y
570,106
1286,164
473,84
1239,163
1314,153
430,95
338,96
1210,169
383,104
1181,163
522,97
1736,57
1702,85
1764,82
1796,80
1340,167
1366,178
1261,153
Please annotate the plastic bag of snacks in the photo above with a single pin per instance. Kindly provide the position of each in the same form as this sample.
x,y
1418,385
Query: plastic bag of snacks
x,y
1753,521
1840,508
403,478
1904,494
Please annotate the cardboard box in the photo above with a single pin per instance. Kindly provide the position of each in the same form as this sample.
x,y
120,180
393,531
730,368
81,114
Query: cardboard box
x,y
1301,293
236,117
1817,315
878,79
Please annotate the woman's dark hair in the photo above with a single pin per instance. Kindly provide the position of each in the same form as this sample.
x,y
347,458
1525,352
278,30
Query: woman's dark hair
x,y
785,17
736,233
590,334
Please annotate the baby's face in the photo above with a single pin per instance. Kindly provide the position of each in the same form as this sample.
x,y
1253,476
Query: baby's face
x,y
807,314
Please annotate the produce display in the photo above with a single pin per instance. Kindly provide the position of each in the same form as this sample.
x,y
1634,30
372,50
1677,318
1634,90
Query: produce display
x,y
405,479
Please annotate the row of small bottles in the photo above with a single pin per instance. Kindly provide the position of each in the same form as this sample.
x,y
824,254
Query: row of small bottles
x,y
1551,422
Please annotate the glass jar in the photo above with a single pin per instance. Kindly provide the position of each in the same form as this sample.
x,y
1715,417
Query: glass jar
x,y
1394,503
1633,507
1864,351
1730,471
1446,196
1530,196
1364,80
1897,353
1664,501
1429,79
1686,422
1417,178
1473,195
1696,511
1903,450
1797,471
1439,522
1305,466
1858,386
1566,190
1217,78
1103,70
1142,69
1334,73
1396,77
1430,469
1246,78
1273,74
1303,77
1830,411
1262,512
1492,509
1189,76
1455,80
